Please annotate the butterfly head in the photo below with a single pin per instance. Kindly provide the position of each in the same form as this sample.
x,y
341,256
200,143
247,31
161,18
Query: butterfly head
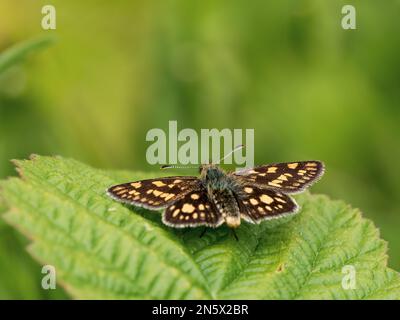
x,y
213,176
209,172
212,172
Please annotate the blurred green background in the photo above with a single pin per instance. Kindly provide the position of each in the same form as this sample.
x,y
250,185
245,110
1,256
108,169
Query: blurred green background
x,y
310,89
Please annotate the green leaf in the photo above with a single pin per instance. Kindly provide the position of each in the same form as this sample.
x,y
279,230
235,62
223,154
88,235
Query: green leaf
x,y
102,249
21,275
16,53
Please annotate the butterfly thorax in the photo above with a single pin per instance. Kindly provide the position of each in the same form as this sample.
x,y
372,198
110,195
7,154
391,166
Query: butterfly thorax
x,y
220,189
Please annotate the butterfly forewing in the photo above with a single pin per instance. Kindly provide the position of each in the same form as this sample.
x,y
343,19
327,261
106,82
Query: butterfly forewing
x,y
257,204
194,209
288,177
154,193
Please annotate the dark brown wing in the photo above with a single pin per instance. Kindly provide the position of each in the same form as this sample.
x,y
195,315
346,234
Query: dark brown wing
x,y
193,210
154,193
291,177
257,204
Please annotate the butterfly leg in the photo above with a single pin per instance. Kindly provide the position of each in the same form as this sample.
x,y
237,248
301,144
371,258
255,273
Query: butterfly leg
x,y
203,232
234,234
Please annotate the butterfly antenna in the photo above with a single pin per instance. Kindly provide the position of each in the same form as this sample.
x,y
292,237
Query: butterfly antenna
x,y
169,166
237,148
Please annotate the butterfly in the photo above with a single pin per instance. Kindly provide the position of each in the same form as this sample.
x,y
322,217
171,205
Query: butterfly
x,y
218,197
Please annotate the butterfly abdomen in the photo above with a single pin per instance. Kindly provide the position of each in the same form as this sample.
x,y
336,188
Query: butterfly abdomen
x,y
227,207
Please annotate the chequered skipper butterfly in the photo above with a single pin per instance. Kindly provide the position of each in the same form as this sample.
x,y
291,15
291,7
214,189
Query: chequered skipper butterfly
x,y
256,194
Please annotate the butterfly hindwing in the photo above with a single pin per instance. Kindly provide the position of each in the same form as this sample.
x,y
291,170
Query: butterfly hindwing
x,y
288,177
257,204
154,193
194,209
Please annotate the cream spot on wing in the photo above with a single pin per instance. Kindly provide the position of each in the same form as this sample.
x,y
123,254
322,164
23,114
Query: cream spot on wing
x,y
261,210
195,215
157,193
248,190
170,196
175,213
177,181
268,208
280,200
266,199
288,175
283,177
171,185
292,165
181,217
187,217
136,198
117,188
280,206
136,184
201,207
143,199
254,202
311,164
188,208
262,174
149,191
272,169
124,196
202,215
172,207
158,183
122,192
195,196
274,184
